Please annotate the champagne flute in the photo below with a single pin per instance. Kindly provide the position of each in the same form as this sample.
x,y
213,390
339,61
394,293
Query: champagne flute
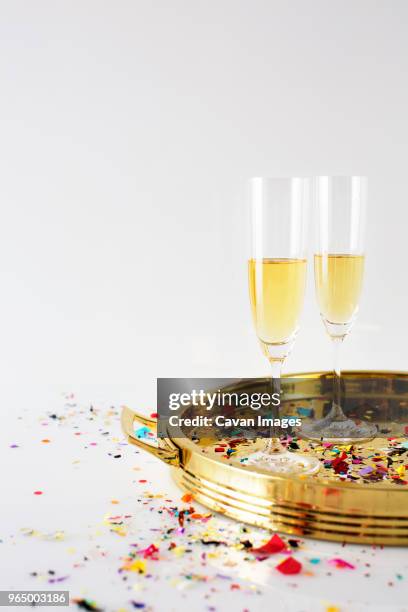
x,y
277,279
339,269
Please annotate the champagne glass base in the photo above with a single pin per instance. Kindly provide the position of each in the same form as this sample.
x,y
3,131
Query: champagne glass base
x,y
284,462
343,432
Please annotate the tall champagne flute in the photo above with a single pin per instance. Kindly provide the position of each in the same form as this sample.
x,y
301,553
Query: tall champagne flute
x,y
277,278
339,269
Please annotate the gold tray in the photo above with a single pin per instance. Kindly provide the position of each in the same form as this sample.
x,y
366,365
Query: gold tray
x,y
319,506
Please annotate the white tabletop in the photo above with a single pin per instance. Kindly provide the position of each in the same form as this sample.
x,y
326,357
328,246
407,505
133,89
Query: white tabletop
x,y
101,499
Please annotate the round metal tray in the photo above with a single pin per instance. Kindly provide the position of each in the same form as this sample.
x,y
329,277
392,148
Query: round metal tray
x,y
319,506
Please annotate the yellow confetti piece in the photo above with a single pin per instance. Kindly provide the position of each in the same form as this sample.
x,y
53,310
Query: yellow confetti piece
x,y
119,530
29,532
178,551
138,566
332,609
213,555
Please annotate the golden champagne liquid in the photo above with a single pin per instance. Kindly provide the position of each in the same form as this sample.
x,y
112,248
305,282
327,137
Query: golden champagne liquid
x,y
338,280
276,289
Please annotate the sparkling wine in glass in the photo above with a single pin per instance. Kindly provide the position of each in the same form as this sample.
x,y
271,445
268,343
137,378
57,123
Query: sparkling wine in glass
x,y
339,270
277,279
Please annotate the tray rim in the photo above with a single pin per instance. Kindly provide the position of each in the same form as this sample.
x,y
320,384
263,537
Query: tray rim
x,y
187,444
366,513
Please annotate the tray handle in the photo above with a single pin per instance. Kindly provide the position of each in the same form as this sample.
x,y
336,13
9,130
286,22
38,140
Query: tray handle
x,y
165,451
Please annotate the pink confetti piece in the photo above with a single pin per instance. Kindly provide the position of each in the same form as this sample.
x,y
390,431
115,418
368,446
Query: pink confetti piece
x,y
341,563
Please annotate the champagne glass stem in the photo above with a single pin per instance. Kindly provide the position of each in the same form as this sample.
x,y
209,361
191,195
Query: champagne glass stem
x,y
274,444
336,412
276,369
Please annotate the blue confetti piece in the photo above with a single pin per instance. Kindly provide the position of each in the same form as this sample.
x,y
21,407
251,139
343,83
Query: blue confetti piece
x,y
142,432
306,412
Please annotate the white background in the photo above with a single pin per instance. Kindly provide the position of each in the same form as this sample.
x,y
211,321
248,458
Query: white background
x,y
128,130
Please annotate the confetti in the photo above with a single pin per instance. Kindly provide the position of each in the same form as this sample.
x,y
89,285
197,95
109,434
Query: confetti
x,y
87,604
304,412
142,432
341,563
151,552
154,542
274,545
137,565
289,566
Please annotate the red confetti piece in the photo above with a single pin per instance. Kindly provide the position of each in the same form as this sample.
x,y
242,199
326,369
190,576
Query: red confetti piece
x,y
289,566
235,442
181,518
219,449
38,492
142,480
274,545
339,465
153,415
331,491
150,552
